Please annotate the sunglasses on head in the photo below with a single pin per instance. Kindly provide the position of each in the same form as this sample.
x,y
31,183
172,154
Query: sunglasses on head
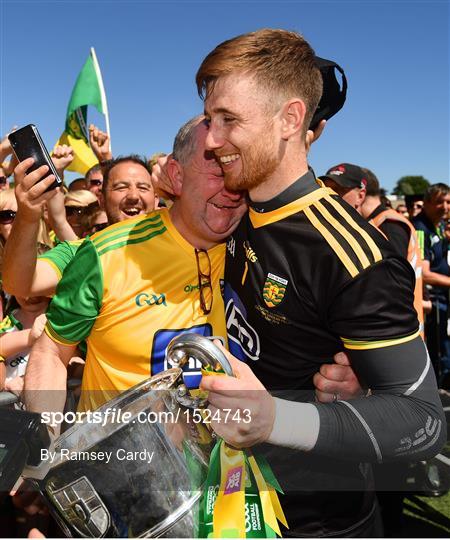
x,y
95,182
7,216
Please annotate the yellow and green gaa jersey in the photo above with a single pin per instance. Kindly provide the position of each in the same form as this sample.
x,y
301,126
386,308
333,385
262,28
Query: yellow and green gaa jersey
x,y
128,291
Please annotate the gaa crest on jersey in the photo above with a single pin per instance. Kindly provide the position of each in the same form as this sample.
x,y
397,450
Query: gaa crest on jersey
x,y
274,290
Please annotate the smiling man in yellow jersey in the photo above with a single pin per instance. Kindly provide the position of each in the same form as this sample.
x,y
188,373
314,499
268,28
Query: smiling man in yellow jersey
x,y
136,284
127,192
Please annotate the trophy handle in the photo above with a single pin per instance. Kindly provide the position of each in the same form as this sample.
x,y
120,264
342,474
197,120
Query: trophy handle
x,y
184,346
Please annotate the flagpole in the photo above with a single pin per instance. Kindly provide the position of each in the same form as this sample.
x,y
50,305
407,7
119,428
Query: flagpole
x,y
102,93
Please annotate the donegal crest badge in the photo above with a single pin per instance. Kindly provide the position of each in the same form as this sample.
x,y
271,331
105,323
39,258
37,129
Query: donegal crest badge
x,y
274,290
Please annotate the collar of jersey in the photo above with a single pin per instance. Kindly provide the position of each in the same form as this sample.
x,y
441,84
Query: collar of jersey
x,y
299,195
176,236
14,320
380,208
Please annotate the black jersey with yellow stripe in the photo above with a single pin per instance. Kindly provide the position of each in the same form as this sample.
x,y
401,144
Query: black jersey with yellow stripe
x,y
307,276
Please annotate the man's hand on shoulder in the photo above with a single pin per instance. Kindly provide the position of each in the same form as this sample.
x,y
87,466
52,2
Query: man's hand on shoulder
x,y
312,136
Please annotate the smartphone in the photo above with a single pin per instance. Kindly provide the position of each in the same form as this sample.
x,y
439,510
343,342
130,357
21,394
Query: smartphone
x,y
26,142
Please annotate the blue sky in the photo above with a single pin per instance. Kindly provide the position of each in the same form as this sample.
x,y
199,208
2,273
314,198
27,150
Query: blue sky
x,y
395,55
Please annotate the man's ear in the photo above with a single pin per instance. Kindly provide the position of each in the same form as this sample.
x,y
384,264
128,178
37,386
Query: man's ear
x,y
175,172
292,117
362,195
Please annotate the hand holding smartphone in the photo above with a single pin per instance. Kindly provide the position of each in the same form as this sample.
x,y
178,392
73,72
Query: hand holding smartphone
x,y
26,142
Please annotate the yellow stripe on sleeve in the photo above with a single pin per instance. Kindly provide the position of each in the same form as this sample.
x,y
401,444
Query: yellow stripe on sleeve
x,y
372,246
334,244
366,345
354,244
53,265
55,337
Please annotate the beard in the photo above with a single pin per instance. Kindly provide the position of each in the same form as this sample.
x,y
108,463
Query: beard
x,y
257,164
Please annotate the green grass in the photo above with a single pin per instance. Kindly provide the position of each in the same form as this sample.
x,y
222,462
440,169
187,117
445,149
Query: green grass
x,y
427,517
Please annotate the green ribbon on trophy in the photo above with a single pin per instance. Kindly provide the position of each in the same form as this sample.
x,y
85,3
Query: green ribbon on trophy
x,y
240,497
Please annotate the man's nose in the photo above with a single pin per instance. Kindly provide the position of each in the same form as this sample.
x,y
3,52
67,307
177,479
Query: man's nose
x,y
133,193
232,195
214,139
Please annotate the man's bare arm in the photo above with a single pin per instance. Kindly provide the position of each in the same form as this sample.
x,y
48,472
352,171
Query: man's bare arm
x,y
433,278
58,218
46,375
19,261
62,157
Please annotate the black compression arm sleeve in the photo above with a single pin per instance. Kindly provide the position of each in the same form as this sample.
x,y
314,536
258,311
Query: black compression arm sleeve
x,y
402,419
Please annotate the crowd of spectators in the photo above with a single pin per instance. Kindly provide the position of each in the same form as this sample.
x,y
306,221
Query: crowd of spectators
x,y
421,236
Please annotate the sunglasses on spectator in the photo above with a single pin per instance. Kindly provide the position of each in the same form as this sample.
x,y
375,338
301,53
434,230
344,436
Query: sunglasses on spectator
x,y
95,182
81,210
75,210
418,205
99,227
3,180
204,280
7,216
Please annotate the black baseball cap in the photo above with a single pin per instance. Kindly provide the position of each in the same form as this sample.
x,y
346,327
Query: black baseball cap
x,y
334,92
347,175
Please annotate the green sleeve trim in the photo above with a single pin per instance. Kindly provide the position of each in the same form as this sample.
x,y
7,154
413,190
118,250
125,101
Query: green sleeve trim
x,y
61,255
15,321
74,309
56,337
54,266
9,323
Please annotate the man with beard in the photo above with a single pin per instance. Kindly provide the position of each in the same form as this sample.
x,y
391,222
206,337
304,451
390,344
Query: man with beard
x,y
136,284
301,283
127,192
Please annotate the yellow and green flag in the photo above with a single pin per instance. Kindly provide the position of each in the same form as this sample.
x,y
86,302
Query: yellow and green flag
x,y
88,90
